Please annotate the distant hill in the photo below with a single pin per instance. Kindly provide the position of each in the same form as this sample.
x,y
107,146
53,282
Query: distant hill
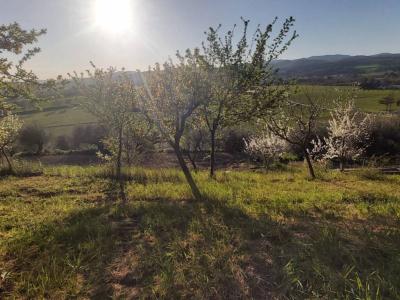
x,y
340,66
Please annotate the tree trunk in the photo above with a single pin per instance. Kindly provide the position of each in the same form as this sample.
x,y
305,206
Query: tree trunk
x,y
119,166
10,167
195,190
39,149
309,164
212,154
341,165
119,154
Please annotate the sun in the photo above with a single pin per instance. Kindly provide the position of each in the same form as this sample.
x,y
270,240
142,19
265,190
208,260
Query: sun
x,y
114,16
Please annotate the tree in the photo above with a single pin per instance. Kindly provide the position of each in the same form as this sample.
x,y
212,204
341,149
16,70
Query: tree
x,y
170,95
241,79
266,147
296,123
111,97
388,101
9,129
33,137
348,133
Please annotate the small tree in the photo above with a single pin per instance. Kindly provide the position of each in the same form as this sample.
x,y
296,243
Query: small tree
x,y
388,101
296,123
111,97
9,129
266,147
348,133
241,80
169,97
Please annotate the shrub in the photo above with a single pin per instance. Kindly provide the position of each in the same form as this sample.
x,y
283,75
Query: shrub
x,y
33,138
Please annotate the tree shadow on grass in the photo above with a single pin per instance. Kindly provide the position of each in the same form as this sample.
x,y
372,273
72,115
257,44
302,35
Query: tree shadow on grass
x,y
210,249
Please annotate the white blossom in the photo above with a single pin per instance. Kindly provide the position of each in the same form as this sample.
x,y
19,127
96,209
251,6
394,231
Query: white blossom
x,y
348,134
266,147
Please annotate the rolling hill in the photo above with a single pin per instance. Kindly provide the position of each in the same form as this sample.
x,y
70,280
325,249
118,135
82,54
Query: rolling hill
x,y
340,66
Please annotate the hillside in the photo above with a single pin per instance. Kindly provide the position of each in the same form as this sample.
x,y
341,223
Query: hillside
x,y
340,67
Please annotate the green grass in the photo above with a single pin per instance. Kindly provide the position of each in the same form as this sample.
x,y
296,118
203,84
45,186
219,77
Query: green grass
x,y
258,235
61,121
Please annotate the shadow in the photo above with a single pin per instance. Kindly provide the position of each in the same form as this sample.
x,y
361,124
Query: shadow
x,y
206,250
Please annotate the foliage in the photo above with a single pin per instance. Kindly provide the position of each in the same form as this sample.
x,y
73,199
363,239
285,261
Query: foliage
x,y
15,80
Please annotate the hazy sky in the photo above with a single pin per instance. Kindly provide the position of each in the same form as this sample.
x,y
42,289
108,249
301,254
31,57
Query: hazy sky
x,y
160,27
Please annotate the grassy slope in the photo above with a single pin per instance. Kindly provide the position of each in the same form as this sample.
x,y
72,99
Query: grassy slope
x,y
63,121
259,235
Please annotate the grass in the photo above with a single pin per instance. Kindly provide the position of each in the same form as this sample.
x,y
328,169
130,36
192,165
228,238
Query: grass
x,y
257,235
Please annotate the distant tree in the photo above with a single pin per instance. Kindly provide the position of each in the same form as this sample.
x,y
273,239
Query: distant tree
x,y
348,133
296,123
89,135
9,129
388,101
170,96
241,79
33,137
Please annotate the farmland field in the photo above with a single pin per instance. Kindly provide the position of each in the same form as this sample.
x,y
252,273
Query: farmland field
x,y
255,235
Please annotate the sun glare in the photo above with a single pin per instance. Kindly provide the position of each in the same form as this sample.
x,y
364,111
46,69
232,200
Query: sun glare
x,y
114,16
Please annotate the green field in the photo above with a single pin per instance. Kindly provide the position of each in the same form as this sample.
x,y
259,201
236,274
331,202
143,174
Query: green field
x,y
63,121
258,235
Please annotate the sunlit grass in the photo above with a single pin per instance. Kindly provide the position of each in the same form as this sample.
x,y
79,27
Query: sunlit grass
x,y
258,234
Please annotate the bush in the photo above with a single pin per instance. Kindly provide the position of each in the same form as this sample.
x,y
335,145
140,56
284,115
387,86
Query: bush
x,y
33,138
385,136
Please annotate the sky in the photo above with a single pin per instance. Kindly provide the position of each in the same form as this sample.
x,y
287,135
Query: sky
x,y
157,28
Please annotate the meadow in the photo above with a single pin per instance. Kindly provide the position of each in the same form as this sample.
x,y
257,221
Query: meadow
x,y
256,234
